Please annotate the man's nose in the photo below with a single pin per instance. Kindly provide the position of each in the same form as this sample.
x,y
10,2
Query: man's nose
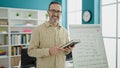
x,y
55,13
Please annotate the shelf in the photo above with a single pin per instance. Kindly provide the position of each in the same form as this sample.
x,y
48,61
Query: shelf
x,y
16,56
19,44
22,33
3,17
3,25
22,26
23,19
3,56
3,33
3,45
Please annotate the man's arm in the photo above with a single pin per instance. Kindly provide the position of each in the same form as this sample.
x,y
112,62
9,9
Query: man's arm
x,y
33,49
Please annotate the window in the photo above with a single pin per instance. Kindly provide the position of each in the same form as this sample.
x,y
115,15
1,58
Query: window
x,y
74,5
109,20
119,53
75,17
119,20
74,11
108,1
110,45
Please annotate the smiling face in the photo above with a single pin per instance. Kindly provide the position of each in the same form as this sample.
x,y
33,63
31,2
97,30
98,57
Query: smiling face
x,y
54,13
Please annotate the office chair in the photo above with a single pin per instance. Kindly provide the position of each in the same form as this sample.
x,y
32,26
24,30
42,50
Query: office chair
x,y
69,56
26,60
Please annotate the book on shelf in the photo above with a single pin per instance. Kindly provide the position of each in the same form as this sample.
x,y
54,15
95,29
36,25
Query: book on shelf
x,y
27,30
70,43
20,38
16,50
15,31
2,52
5,39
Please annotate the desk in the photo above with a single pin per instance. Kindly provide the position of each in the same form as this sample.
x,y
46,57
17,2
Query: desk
x,y
69,64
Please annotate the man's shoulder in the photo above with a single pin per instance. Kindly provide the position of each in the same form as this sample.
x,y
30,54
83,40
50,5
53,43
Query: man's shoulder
x,y
39,27
64,29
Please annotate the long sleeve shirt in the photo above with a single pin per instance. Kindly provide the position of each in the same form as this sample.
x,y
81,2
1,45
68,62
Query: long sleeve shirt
x,y
43,38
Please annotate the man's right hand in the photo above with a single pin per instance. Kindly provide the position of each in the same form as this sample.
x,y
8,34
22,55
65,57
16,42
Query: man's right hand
x,y
55,50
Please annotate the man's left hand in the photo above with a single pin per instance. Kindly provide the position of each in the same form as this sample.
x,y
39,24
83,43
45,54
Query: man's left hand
x,y
69,49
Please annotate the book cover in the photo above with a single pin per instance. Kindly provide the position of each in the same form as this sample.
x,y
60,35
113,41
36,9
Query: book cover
x,y
70,43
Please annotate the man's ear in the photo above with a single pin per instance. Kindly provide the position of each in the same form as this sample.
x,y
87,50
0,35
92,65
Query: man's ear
x,y
47,12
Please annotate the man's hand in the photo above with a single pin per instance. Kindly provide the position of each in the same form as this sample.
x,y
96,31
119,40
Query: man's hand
x,y
69,49
55,50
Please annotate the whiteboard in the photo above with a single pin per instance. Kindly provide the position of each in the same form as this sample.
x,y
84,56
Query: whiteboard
x,y
90,52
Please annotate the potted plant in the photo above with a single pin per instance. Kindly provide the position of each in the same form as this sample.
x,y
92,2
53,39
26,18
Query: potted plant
x,y
17,14
29,15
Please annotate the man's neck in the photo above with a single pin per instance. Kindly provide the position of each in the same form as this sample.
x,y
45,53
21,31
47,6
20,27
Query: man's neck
x,y
53,23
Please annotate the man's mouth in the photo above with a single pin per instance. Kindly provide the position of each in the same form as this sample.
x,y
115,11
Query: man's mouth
x,y
55,17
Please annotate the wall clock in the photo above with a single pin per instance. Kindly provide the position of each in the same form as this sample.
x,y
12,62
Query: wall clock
x,y
87,15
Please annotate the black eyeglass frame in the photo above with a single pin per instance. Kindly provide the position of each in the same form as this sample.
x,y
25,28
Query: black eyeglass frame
x,y
55,11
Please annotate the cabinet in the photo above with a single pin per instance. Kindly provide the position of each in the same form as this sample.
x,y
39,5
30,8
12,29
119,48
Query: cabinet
x,y
16,26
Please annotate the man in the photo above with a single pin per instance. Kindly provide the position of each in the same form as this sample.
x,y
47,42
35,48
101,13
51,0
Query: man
x,y
47,39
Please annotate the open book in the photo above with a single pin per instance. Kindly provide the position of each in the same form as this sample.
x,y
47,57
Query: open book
x,y
70,43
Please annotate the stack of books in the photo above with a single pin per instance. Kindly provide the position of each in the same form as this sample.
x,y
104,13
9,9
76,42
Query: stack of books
x,y
2,52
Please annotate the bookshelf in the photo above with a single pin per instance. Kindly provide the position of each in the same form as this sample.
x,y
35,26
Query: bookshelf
x,y
4,36
16,26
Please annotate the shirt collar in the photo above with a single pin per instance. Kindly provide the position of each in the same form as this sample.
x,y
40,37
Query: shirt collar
x,y
47,24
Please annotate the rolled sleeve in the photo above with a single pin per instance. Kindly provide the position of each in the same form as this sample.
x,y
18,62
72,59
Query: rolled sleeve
x,y
39,52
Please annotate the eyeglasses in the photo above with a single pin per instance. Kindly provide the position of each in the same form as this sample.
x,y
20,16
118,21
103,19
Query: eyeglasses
x,y
55,11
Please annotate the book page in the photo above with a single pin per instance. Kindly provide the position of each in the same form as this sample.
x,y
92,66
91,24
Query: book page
x,y
90,52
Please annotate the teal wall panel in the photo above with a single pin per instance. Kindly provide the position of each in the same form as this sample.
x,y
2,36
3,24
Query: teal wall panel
x,y
64,12
94,7
97,11
88,5
27,4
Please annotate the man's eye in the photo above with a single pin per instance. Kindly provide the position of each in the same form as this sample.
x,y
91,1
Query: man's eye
x,y
55,11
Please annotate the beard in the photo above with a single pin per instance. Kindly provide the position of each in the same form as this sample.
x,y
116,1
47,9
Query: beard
x,y
55,19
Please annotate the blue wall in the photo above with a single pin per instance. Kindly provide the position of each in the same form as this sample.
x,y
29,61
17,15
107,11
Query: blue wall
x,y
64,12
97,11
64,15
27,4
94,7
88,5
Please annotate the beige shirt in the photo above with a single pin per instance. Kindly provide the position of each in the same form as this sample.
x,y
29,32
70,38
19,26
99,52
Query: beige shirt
x,y
44,37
